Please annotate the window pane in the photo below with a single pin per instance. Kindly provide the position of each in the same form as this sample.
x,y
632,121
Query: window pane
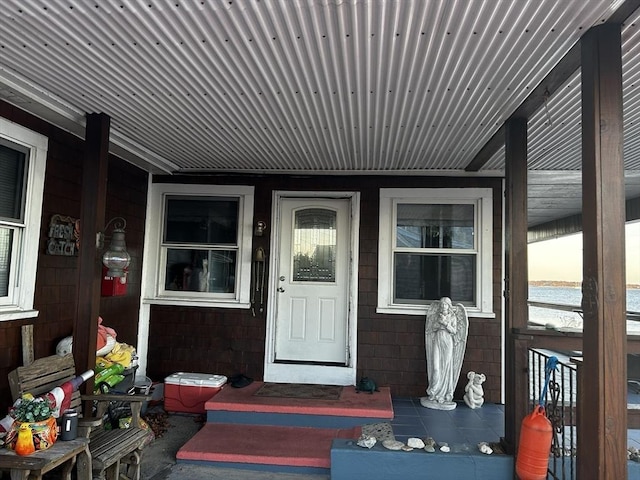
x,y
435,226
314,245
201,270
208,220
6,238
12,165
425,278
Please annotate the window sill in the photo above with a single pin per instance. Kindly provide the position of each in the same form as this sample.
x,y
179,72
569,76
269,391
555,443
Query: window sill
x,y
9,315
409,310
196,302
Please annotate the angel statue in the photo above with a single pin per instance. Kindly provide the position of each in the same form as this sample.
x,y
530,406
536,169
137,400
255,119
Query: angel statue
x,y
445,342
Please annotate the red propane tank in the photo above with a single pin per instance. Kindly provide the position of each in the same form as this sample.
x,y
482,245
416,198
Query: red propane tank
x,y
535,446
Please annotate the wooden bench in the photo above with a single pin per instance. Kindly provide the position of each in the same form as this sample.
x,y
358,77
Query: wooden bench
x,y
114,453
70,454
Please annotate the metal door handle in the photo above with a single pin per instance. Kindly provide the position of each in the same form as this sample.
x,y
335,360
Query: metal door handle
x,y
280,289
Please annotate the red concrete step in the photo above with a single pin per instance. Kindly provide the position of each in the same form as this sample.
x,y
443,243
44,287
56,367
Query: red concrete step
x,y
350,403
264,445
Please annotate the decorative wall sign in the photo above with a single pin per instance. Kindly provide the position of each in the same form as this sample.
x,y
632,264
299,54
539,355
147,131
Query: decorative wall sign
x,y
64,236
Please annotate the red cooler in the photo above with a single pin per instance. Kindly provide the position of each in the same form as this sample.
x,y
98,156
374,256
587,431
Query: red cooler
x,y
188,392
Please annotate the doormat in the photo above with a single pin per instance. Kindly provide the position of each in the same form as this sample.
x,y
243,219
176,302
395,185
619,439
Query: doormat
x,y
299,390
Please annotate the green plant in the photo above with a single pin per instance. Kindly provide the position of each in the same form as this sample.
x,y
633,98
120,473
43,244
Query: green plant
x,y
31,410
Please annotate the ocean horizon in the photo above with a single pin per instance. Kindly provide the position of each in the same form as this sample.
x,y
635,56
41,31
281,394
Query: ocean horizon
x,y
571,296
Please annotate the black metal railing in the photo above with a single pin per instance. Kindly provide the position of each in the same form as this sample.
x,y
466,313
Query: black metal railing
x,y
560,407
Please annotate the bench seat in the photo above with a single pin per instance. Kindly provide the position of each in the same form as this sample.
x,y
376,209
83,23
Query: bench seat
x,y
114,453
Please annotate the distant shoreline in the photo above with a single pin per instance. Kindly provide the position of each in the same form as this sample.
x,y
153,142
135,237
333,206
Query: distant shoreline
x,y
563,283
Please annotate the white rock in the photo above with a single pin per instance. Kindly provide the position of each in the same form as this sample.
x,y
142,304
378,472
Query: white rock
x,y
485,448
392,444
415,443
366,441
444,447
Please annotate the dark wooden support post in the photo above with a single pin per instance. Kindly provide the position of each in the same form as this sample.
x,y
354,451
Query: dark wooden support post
x,y
602,442
516,293
94,195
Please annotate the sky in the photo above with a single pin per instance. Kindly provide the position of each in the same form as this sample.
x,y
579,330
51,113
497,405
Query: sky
x,y
561,258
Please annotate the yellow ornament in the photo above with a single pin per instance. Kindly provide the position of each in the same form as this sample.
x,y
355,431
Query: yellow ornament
x,y
24,444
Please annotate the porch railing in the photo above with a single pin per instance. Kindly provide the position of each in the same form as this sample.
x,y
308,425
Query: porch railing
x,y
560,407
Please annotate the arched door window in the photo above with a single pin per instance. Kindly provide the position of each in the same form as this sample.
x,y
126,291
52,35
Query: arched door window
x,y
314,245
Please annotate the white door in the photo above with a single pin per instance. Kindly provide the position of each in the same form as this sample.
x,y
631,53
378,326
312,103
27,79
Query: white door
x,y
311,321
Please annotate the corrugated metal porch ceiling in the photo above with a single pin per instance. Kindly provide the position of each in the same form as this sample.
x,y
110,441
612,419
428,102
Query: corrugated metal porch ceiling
x,y
308,86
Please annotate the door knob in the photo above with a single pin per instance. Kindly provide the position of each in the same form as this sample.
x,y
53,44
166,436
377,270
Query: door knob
x,y
280,289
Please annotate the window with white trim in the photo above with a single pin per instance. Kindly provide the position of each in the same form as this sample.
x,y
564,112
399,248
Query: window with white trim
x,y
203,244
435,243
23,159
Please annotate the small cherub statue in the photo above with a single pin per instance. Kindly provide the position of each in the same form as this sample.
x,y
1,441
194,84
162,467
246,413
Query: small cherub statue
x,y
474,393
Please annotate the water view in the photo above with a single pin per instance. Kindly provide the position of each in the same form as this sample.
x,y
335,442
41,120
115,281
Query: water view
x,y
571,296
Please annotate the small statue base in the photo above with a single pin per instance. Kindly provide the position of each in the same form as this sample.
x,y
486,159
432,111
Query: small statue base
x,y
425,402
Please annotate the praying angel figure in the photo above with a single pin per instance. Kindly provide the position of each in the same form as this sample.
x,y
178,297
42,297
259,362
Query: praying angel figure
x,y
446,331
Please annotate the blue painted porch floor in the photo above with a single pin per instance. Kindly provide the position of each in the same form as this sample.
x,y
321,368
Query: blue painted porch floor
x,y
462,428
459,426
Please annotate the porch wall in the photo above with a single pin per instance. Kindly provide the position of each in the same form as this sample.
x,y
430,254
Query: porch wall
x,y
390,347
56,282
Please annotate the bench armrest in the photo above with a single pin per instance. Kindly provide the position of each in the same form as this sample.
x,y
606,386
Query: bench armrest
x,y
87,424
136,402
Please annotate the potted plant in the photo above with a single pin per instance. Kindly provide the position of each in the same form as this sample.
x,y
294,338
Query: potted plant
x,y
34,427
29,409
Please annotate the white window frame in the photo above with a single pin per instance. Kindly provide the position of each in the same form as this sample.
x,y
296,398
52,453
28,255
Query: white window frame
x,y
482,198
24,259
155,257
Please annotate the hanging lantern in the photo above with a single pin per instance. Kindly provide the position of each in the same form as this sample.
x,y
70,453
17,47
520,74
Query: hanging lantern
x,y
116,258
